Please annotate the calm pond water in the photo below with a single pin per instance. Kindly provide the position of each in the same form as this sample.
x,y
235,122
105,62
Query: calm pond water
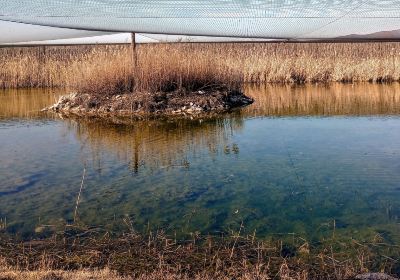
x,y
301,160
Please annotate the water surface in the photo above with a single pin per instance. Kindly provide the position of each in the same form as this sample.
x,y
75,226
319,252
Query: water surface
x,y
306,160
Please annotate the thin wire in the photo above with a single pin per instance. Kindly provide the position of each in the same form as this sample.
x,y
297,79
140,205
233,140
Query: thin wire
x,y
333,21
273,19
199,17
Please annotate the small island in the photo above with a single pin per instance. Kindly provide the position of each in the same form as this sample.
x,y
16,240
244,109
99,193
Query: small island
x,y
174,103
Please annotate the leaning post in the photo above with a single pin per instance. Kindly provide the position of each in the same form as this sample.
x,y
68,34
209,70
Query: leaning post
x,y
134,54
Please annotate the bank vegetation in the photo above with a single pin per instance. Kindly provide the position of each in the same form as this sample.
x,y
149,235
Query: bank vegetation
x,y
91,253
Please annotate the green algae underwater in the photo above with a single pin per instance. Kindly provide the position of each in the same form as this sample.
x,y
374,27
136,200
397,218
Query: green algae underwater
x,y
302,165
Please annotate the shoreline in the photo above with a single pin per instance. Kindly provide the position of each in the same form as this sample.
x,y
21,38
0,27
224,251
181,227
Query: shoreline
x,y
132,255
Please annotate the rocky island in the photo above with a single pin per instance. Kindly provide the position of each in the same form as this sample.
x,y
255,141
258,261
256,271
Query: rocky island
x,y
160,103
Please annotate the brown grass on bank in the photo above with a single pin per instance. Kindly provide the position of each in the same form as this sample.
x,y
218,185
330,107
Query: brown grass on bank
x,y
164,67
12,274
236,255
107,274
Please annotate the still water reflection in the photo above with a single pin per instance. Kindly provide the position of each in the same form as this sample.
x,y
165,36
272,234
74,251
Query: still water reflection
x,y
295,161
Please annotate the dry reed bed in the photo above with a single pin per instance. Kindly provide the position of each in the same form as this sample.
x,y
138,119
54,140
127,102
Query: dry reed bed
x,y
105,70
167,66
233,256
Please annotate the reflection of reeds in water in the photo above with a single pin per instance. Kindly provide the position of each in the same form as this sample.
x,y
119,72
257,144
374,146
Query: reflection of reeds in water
x,y
3,223
270,100
169,65
26,103
159,144
332,99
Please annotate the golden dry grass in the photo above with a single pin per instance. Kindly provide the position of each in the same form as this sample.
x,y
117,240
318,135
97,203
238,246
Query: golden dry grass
x,y
110,275
164,67
12,274
105,70
154,255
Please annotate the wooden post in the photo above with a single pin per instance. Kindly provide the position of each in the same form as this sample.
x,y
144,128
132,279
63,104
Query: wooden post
x,y
41,65
134,59
42,54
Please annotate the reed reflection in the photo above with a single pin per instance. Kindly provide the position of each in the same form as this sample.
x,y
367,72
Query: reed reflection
x,y
156,144
208,174
27,103
170,143
325,100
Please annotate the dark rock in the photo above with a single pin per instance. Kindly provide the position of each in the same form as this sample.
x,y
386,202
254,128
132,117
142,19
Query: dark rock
x,y
288,251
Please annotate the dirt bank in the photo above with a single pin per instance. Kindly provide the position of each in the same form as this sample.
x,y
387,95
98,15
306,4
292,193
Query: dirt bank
x,y
159,103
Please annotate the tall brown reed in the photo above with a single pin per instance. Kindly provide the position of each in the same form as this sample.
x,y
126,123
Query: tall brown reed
x,y
105,69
